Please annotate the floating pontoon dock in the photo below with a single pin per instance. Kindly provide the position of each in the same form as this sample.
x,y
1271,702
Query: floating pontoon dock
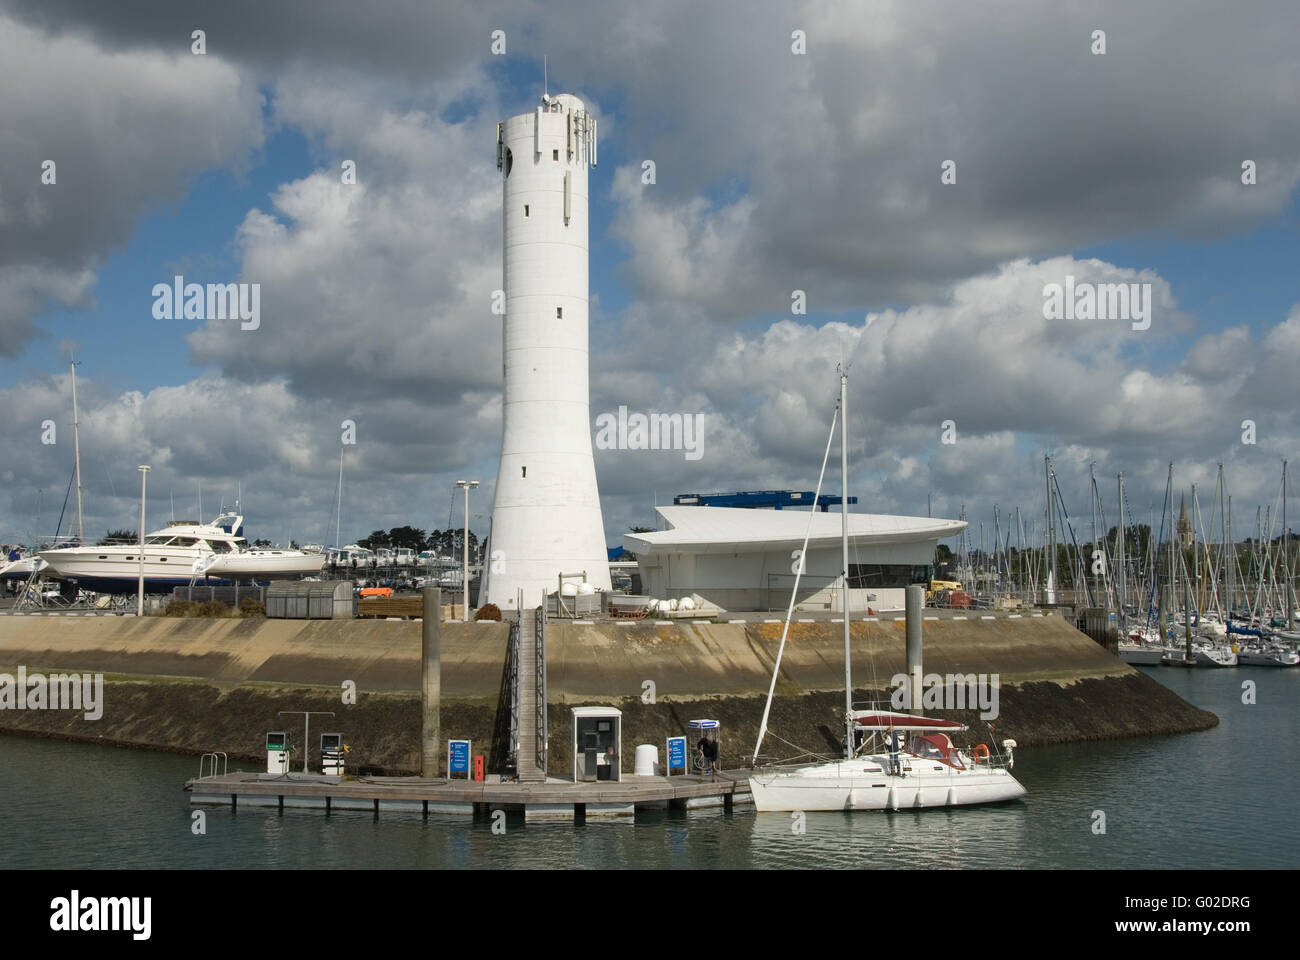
x,y
554,799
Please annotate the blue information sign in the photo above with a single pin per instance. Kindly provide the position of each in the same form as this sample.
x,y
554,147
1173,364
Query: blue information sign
x,y
458,756
676,753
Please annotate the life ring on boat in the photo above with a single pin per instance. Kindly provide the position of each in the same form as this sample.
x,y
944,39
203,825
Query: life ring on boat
x,y
981,754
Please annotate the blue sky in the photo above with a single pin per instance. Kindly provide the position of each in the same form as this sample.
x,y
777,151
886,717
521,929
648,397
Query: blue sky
x,y
773,172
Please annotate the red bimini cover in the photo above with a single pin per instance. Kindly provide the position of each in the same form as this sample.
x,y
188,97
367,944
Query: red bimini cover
x,y
889,720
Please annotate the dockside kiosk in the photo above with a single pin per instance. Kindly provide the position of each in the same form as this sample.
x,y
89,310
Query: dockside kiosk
x,y
277,752
597,743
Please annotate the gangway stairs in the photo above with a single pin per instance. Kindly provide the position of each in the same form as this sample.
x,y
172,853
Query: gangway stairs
x,y
530,749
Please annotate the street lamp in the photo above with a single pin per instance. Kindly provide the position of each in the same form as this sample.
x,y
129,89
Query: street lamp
x,y
139,600
464,568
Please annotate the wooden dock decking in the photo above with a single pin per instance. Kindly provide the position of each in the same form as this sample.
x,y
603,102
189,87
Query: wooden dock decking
x,y
551,799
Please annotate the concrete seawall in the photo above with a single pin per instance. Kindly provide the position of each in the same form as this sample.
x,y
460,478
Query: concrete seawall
x,y
198,685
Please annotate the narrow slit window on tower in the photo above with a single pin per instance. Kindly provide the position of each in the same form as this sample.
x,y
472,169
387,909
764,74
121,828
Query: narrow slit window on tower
x,y
525,471
555,154
525,209
559,313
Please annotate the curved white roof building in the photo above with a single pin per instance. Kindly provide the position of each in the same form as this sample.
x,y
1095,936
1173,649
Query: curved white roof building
x,y
741,559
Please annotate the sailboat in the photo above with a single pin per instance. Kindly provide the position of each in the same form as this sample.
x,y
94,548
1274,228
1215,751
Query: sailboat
x,y
926,772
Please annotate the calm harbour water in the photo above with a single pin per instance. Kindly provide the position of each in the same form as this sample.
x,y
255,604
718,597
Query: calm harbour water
x,y
1223,798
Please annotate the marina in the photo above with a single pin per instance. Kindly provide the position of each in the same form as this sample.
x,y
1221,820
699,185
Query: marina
x,y
66,805
684,470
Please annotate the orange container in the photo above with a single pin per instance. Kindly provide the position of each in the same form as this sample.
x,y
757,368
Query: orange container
x,y
478,767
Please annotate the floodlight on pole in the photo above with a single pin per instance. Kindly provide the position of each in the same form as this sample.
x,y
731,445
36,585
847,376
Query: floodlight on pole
x,y
467,485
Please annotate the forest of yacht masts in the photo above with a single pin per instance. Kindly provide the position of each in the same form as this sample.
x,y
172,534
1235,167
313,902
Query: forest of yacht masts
x,y
1189,555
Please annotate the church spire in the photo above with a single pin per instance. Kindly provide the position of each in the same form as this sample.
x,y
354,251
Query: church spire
x,y
1184,525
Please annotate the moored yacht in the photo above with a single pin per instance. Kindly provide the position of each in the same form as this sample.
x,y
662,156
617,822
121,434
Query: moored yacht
x,y
174,556
1214,655
1143,648
1267,655
1141,653
928,772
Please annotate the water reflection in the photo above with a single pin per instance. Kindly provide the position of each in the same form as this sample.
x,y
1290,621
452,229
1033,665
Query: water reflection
x,y
1219,798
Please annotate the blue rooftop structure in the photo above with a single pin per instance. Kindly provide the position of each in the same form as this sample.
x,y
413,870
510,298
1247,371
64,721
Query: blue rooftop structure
x,y
759,499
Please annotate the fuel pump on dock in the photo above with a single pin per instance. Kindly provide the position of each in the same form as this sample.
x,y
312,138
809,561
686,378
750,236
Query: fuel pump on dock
x,y
332,751
277,752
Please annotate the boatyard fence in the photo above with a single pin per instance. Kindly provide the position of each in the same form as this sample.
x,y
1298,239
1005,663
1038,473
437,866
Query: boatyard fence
x,y
227,595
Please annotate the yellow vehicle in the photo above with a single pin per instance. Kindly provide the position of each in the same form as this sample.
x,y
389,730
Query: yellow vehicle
x,y
938,586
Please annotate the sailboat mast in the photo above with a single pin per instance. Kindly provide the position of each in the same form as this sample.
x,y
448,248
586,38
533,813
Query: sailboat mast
x,y
1092,495
76,449
1288,597
1231,556
997,542
1196,522
1164,584
844,547
338,510
1053,583
1120,575
1020,555
1187,606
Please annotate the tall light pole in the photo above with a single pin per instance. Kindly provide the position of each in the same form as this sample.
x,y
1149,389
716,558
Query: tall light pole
x,y
464,568
139,600
76,452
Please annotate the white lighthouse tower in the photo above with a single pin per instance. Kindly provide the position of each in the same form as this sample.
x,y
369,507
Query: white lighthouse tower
x,y
546,518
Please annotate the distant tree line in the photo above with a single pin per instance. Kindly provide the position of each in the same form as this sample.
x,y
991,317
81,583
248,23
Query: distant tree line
x,y
447,543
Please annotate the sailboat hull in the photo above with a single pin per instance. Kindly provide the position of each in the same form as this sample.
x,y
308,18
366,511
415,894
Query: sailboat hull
x,y
268,563
1267,658
1216,657
864,786
1141,654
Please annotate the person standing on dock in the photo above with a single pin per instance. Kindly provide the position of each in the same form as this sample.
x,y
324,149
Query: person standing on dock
x,y
708,755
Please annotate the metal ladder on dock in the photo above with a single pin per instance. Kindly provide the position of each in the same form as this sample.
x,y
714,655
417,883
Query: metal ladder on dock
x,y
531,746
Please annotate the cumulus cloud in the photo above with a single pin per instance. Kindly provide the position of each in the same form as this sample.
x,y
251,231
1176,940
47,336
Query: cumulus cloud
x,y
124,135
774,172
1015,385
